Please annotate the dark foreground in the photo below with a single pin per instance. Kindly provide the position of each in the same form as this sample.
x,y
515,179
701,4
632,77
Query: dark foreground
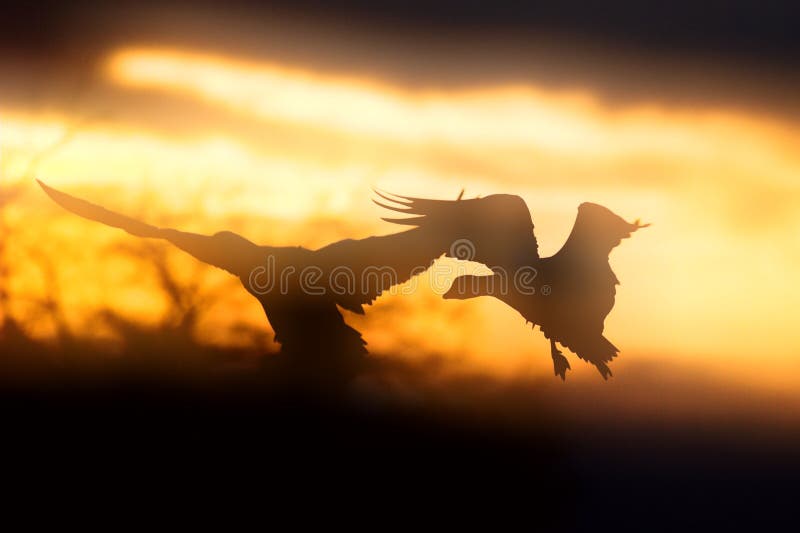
x,y
246,445
171,424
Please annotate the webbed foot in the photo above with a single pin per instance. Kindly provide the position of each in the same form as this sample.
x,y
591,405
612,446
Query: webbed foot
x,y
560,363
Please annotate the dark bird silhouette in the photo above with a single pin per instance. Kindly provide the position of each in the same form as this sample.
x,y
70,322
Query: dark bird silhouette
x,y
568,295
300,289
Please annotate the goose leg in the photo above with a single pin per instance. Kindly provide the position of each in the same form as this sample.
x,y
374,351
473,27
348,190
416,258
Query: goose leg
x,y
560,363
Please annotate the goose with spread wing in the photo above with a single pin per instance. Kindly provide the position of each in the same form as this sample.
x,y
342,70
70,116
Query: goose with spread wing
x,y
568,295
301,290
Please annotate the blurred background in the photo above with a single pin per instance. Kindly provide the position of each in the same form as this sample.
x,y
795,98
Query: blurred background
x,y
276,120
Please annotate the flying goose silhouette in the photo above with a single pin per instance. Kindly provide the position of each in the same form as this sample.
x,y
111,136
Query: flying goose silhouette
x,y
568,294
300,290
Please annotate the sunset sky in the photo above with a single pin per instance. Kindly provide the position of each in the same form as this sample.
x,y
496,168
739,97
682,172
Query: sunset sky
x,y
281,136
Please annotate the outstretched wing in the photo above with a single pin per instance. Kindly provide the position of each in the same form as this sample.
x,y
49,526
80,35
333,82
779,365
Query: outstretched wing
x,y
225,249
496,230
597,231
99,214
356,272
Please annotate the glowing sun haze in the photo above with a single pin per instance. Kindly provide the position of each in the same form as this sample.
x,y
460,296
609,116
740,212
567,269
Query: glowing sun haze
x,y
719,185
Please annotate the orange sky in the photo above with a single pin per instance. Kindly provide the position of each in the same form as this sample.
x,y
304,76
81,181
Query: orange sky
x,y
288,156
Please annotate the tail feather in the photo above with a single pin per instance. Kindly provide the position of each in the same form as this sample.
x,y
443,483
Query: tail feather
x,y
604,370
598,351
